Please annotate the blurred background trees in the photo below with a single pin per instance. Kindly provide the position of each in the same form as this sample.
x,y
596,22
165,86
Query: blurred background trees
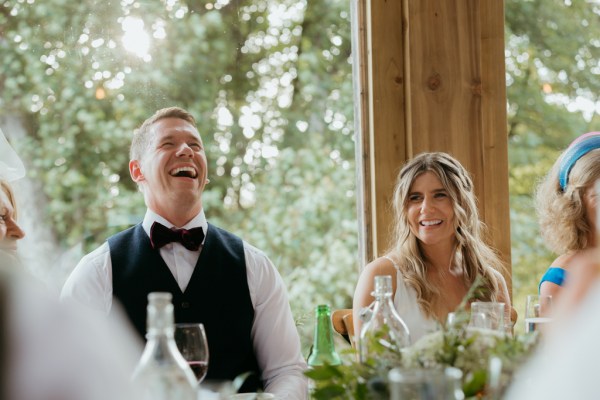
x,y
270,83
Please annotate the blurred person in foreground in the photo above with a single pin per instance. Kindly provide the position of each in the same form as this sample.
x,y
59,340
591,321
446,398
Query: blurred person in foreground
x,y
215,277
565,365
438,250
48,350
566,206
55,351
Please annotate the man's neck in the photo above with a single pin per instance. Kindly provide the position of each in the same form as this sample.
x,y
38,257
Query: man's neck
x,y
178,216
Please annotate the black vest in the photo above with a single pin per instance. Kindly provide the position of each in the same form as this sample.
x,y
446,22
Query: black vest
x,y
217,296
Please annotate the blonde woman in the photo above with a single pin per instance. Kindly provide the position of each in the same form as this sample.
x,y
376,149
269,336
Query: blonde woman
x,y
566,206
438,249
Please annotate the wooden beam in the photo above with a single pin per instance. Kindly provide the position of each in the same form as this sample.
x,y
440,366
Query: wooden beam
x,y
387,112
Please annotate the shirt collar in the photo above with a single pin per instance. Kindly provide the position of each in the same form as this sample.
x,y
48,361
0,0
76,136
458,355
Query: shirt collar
x,y
152,217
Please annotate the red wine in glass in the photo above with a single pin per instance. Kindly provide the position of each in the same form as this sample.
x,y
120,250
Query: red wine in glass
x,y
200,368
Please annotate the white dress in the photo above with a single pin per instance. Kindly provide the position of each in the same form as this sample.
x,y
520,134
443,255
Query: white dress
x,y
405,301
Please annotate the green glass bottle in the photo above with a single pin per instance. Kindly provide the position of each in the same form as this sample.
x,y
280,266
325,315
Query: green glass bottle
x,y
323,350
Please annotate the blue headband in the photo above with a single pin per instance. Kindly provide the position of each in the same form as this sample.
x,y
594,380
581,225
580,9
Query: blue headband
x,y
574,153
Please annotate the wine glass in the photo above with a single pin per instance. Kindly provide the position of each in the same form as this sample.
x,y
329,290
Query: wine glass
x,y
479,320
487,315
192,344
538,312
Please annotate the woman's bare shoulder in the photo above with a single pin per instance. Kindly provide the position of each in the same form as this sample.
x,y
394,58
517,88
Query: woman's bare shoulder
x,y
567,260
381,266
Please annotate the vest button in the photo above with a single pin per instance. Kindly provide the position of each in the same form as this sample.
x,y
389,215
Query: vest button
x,y
185,304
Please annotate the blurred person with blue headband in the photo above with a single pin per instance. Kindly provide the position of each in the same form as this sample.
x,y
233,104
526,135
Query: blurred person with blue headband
x,y
566,207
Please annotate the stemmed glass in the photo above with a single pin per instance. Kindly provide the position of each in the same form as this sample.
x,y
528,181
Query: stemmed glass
x,y
538,312
192,344
487,315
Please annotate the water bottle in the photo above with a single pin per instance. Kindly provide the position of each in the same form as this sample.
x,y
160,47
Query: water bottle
x,y
162,373
384,333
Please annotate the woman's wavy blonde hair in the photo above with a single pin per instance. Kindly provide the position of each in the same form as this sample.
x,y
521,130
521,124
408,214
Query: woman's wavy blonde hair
x,y
472,253
561,214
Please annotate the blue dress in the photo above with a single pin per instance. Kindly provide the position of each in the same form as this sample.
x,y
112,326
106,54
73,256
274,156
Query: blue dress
x,y
555,275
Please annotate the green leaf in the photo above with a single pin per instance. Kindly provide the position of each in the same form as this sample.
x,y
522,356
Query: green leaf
x,y
475,383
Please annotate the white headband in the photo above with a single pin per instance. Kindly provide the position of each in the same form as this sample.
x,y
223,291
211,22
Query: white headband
x,y
11,166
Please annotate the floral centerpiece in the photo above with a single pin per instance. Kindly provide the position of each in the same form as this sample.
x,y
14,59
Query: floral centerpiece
x,y
459,345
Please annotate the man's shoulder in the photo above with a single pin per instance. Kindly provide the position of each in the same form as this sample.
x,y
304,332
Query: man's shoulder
x,y
221,231
122,242
98,255
254,252
226,238
124,233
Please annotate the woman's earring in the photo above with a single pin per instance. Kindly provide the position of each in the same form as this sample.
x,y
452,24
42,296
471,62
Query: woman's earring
x,y
207,181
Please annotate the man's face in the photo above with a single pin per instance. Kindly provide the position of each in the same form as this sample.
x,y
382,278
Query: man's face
x,y
172,171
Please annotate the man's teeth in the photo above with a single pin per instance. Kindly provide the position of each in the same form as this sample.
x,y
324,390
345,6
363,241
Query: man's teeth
x,y
432,222
190,170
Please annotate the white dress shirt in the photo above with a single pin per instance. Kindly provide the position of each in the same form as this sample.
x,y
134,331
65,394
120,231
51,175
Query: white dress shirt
x,y
274,334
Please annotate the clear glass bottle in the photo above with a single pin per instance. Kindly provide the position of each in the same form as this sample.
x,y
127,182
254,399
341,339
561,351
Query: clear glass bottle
x,y
383,334
162,373
323,350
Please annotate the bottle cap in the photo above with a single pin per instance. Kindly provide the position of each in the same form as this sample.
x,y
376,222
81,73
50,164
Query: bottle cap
x,y
160,297
323,308
160,313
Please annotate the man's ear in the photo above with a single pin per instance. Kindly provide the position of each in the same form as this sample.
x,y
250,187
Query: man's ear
x,y
135,170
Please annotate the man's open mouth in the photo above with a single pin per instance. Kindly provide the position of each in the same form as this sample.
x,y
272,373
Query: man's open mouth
x,y
187,172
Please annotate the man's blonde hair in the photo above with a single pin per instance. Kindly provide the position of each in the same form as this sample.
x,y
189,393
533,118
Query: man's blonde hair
x,y
142,136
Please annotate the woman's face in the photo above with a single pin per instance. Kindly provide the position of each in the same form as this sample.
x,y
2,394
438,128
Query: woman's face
x,y
10,232
430,211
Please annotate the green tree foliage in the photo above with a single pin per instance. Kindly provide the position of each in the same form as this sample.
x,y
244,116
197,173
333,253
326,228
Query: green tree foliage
x,y
269,82
553,89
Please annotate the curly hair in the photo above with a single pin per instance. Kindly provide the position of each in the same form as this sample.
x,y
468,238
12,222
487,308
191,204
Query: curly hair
x,y
561,214
472,253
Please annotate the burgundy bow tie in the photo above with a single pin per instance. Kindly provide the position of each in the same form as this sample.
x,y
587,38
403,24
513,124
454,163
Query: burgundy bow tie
x,y
190,239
